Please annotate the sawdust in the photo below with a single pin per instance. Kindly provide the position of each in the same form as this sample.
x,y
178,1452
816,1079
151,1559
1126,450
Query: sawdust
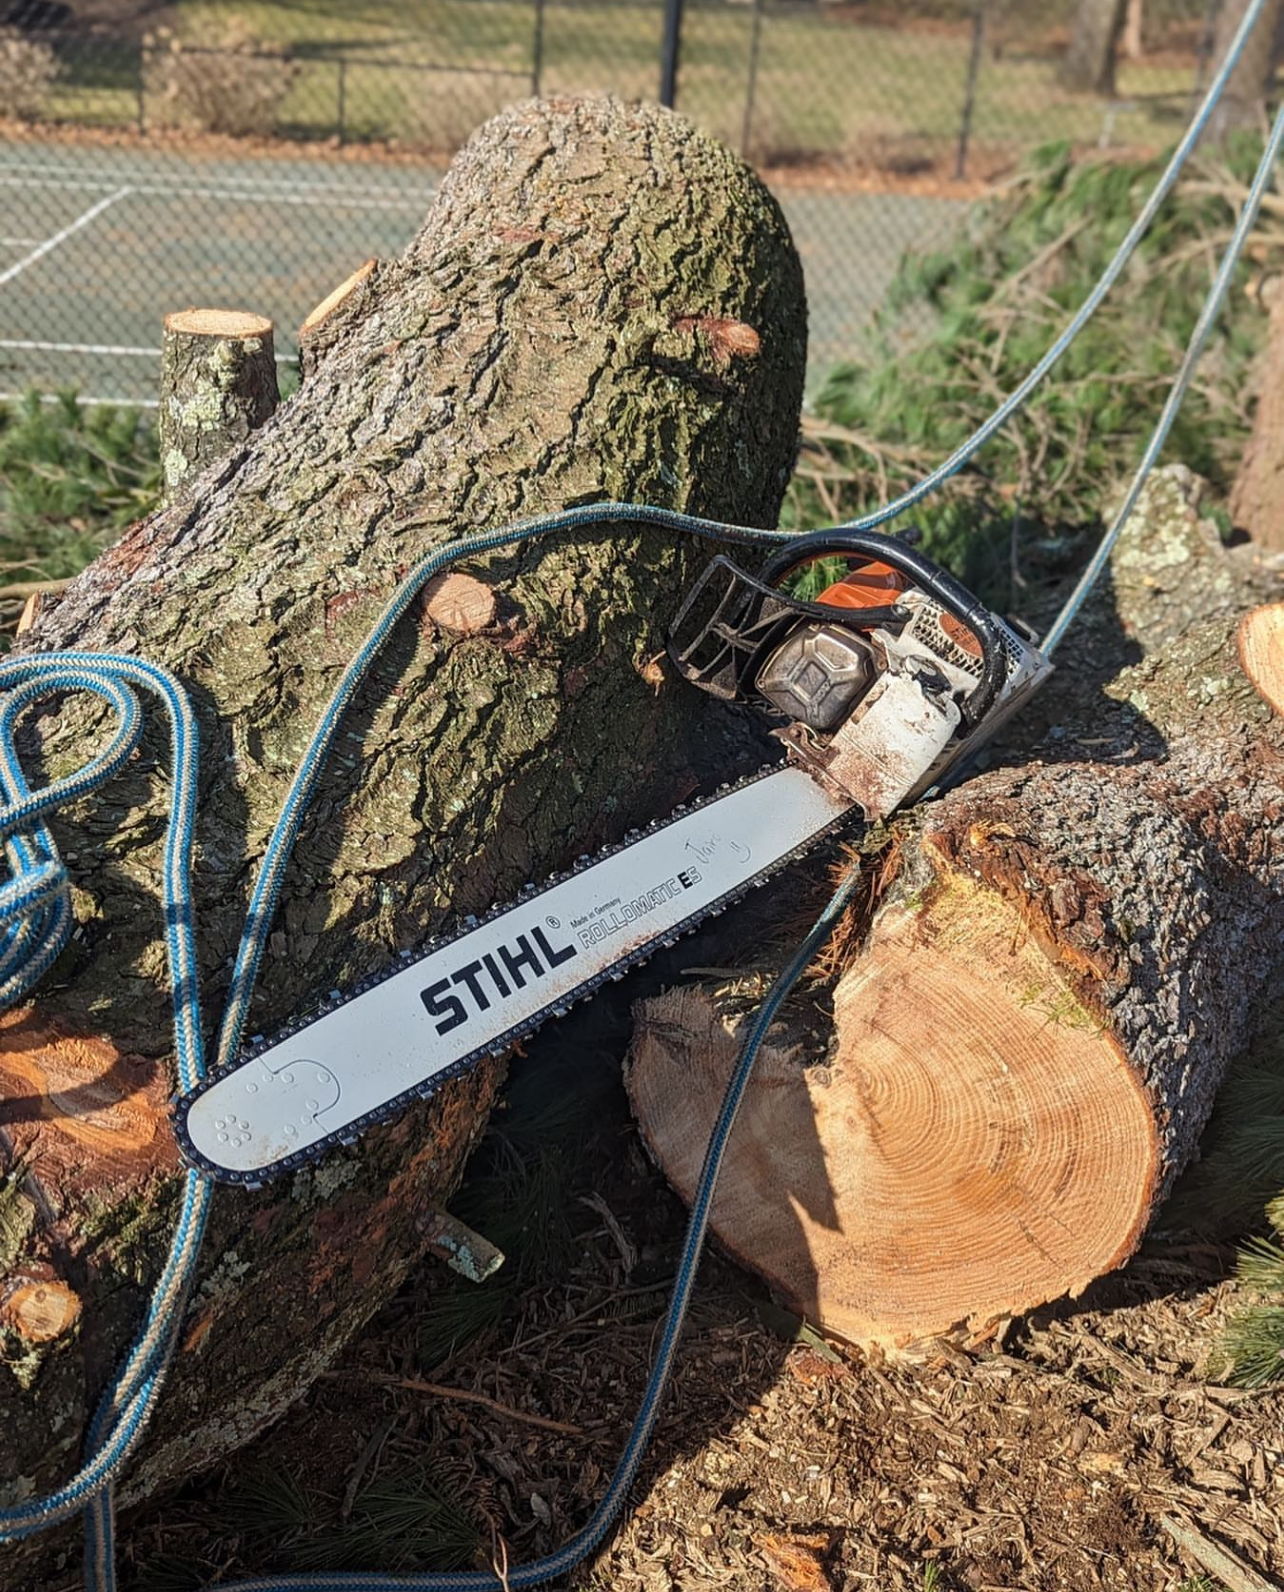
x,y
1042,1459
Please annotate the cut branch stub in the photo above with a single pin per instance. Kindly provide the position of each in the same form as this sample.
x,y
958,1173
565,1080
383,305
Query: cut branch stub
x,y
459,603
39,1310
218,383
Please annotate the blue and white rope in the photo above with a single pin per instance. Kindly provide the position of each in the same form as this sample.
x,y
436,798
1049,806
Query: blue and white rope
x,y
36,921
39,934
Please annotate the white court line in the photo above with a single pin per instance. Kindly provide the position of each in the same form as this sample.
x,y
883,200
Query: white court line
x,y
77,348
45,166
17,243
119,350
91,214
176,191
87,403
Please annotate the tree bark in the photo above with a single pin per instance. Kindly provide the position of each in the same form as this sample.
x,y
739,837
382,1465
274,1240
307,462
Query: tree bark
x,y
1089,64
1243,101
218,383
522,355
1027,1046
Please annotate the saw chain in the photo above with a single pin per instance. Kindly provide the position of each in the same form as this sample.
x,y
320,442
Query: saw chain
x,y
267,1115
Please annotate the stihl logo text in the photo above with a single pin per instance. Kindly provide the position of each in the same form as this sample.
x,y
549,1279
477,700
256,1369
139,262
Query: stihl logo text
x,y
494,975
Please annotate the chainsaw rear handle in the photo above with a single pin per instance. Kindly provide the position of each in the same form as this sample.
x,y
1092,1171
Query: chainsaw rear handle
x,y
952,595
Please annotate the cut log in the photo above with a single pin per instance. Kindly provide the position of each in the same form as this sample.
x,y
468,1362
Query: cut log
x,y
1261,652
329,322
520,357
218,383
1026,1049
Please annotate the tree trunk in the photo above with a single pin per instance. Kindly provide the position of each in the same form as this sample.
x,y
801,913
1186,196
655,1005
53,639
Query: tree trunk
x,y
1257,501
1243,101
1133,29
1028,1044
218,383
1089,64
522,355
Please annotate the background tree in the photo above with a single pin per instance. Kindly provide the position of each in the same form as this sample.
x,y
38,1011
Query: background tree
x,y
1243,103
1090,61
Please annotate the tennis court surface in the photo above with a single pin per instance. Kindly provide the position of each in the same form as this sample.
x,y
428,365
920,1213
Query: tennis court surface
x,y
97,244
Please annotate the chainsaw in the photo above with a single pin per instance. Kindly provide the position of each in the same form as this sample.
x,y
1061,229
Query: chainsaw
x,y
882,685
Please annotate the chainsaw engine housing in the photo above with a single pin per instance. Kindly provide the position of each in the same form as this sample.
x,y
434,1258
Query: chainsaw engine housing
x,y
889,679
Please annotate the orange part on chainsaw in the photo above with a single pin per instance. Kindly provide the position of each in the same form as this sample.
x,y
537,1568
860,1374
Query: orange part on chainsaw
x,y
871,586
874,584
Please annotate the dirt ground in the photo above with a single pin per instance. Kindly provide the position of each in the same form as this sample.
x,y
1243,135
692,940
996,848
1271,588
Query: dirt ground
x,y
1046,1461
1047,1458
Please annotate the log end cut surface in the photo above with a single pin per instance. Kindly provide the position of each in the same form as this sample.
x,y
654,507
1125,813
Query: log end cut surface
x,y
332,300
1002,1151
238,324
1261,652
975,1145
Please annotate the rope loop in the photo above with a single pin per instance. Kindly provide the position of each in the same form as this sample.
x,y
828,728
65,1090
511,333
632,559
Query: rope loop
x,y
35,900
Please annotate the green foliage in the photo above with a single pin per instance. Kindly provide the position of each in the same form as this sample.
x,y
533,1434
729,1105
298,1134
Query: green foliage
x,y
71,478
1253,1342
1241,1166
999,293
401,1520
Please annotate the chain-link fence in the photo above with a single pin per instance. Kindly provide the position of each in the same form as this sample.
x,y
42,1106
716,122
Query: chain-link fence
x,y
252,154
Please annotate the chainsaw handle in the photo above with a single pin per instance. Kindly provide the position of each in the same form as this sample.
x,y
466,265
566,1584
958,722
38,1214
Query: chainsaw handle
x,y
920,570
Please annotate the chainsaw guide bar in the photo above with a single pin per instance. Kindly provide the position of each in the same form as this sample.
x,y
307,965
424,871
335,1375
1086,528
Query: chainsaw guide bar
x,y
438,1011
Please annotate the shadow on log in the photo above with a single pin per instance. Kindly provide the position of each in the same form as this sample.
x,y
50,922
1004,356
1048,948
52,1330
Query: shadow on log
x,y
527,352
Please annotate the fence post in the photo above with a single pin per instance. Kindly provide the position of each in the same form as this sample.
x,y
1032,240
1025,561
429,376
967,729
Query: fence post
x,y
969,93
537,49
751,87
670,48
142,87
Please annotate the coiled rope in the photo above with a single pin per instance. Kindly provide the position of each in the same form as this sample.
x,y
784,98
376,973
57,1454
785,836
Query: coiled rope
x,y
36,918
